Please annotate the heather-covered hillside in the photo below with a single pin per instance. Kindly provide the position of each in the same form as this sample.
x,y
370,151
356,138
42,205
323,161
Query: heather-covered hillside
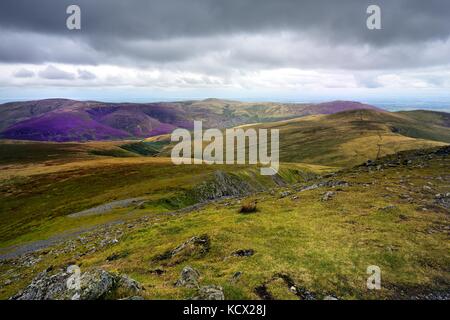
x,y
64,120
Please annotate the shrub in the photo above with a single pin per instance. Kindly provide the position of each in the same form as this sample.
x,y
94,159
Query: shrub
x,y
248,207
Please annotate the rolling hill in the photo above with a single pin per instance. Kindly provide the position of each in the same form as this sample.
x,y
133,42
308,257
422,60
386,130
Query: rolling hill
x,y
351,137
64,120
107,205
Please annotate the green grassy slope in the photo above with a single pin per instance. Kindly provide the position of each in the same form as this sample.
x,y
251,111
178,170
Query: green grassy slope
x,y
325,247
349,138
37,199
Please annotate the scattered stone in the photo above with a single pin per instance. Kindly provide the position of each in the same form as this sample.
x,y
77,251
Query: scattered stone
x,y
284,194
388,208
210,292
328,196
236,276
442,200
197,245
330,298
117,255
188,278
133,298
263,292
127,286
157,271
244,253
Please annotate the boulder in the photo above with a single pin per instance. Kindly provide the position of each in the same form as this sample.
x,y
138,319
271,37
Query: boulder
x,y
95,284
188,278
46,287
210,292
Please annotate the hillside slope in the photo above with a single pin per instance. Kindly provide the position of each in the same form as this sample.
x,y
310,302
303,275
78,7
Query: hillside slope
x,y
313,239
352,137
64,120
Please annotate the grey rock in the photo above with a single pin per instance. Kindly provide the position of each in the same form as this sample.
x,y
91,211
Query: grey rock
x,y
94,285
388,208
128,285
327,195
133,298
200,244
210,292
188,278
223,185
244,253
236,276
284,194
46,287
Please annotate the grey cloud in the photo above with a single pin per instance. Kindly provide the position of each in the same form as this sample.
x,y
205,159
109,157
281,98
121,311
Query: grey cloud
x,y
54,73
23,73
32,47
179,33
86,75
344,20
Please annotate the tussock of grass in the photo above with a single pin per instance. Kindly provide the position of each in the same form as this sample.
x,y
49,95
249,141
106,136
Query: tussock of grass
x,y
248,207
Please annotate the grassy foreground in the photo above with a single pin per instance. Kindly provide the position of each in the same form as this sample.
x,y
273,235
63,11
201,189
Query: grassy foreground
x,y
387,216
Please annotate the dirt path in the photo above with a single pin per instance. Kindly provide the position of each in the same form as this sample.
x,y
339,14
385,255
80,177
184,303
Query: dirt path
x,y
104,208
19,250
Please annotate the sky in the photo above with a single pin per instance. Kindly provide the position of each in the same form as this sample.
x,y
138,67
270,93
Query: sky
x,y
278,50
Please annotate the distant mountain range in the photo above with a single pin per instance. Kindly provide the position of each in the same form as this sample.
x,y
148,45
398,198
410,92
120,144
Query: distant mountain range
x,y
63,120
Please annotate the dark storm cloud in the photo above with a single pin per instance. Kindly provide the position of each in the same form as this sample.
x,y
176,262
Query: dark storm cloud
x,y
166,31
403,20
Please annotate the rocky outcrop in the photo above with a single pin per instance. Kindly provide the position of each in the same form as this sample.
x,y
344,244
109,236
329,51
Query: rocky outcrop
x,y
96,284
223,185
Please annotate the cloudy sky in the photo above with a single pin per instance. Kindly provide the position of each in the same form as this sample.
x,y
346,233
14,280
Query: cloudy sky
x,y
289,50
